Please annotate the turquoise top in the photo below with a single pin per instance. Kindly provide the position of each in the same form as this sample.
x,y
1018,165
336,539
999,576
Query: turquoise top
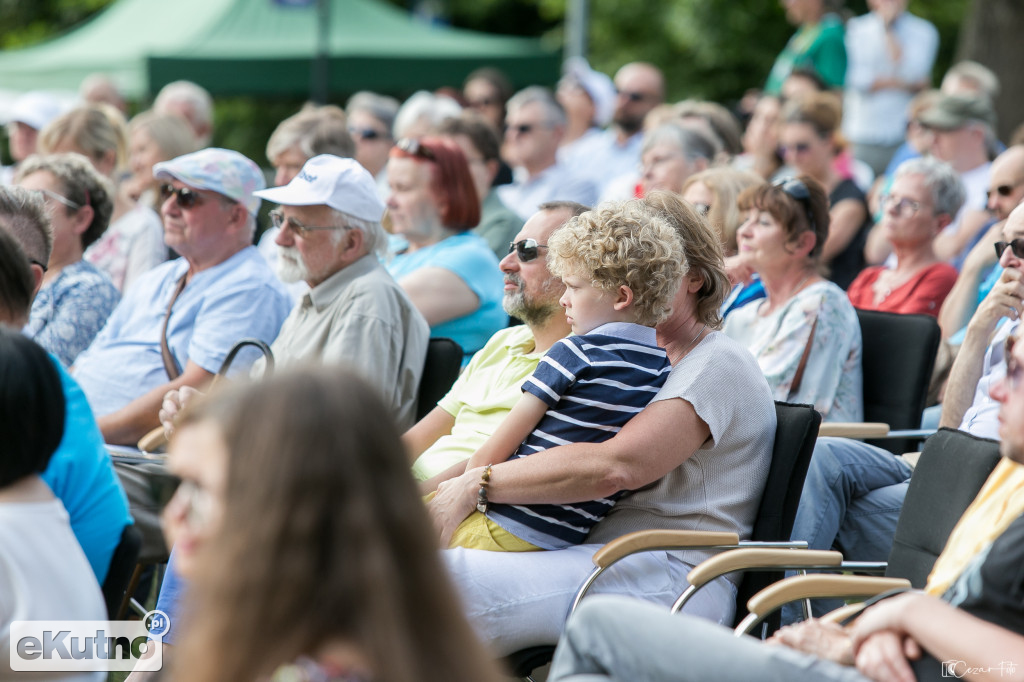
x,y
471,259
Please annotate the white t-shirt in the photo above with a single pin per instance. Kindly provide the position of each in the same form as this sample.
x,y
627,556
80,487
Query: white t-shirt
x,y
44,575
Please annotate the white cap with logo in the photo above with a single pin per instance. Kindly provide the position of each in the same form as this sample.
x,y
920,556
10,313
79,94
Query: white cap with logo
x,y
342,184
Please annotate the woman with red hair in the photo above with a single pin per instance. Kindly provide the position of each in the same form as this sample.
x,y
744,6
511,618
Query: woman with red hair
x,y
450,274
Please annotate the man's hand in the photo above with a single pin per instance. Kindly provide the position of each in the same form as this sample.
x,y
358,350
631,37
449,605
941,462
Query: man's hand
x,y
824,640
1005,300
173,403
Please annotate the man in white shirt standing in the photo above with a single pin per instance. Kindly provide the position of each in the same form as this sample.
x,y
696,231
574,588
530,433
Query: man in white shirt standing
x,y
890,53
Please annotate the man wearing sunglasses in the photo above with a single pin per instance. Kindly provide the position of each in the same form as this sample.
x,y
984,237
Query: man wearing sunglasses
x,y
491,383
536,125
177,324
613,156
980,269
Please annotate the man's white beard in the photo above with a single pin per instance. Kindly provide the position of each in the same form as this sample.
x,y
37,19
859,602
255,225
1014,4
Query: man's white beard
x,y
290,266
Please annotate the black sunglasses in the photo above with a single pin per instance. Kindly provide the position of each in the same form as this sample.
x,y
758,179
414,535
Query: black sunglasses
x,y
632,96
1001,190
365,133
1016,246
413,147
185,198
33,261
796,189
798,148
526,249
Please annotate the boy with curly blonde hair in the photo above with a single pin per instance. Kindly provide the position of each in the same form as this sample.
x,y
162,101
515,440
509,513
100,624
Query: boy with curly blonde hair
x,y
622,266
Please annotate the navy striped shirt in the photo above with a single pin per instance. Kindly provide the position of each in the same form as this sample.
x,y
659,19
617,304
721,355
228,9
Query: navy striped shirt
x,y
593,384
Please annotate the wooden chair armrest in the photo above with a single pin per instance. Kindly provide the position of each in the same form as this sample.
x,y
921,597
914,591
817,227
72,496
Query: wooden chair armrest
x,y
854,429
650,540
813,586
774,559
153,440
842,613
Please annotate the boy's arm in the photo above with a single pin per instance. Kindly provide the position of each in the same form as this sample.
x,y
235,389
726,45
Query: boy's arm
x,y
522,419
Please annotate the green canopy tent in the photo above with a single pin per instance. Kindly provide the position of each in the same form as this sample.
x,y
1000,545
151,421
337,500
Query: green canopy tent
x,y
259,47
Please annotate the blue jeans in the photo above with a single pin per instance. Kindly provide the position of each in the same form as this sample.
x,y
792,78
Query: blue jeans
x,y
851,501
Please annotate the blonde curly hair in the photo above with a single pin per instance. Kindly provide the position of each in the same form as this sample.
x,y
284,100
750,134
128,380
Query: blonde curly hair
x,y
620,244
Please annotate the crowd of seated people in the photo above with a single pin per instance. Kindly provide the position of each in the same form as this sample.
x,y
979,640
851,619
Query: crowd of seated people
x,y
501,219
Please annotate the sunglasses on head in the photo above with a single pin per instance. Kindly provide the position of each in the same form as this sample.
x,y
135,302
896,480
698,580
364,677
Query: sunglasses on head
x,y
796,189
185,198
1001,190
1016,247
526,250
414,147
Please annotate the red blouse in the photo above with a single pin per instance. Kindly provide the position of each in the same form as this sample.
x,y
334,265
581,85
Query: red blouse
x,y
923,294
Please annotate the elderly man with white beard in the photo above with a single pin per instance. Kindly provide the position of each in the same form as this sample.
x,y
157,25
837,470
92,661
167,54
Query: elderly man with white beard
x,y
354,313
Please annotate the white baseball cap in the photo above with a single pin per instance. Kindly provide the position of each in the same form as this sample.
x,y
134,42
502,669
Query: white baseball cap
x,y
598,86
35,109
330,180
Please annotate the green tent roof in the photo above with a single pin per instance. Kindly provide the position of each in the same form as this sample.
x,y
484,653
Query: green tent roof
x,y
259,47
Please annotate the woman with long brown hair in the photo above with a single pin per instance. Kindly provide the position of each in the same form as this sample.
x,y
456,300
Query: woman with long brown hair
x,y
309,550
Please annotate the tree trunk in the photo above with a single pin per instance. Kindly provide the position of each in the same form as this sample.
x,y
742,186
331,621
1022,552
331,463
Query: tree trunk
x,y
991,35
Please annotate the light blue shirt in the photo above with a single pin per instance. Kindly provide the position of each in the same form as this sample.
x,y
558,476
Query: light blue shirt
x,y
599,157
471,260
880,117
82,477
69,311
554,183
239,298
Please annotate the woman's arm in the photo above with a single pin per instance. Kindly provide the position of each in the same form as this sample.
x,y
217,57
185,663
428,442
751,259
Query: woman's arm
x,y
439,294
522,419
845,219
663,436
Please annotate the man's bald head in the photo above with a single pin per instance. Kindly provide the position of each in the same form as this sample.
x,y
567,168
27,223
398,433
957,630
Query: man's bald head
x,y
1006,182
641,87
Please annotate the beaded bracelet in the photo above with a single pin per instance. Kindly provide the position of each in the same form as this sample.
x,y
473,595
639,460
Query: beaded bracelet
x,y
481,495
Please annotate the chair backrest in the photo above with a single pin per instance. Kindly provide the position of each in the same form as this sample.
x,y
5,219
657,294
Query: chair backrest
x,y
440,370
898,355
122,563
795,432
951,470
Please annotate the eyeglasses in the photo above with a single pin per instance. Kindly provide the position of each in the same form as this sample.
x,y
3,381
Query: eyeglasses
x,y
60,199
185,198
278,220
414,147
526,250
1016,248
796,189
632,96
1001,190
197,502
798,148
903,206
366,133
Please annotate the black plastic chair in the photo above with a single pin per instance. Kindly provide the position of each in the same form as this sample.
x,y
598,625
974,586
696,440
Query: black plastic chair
x,y
440,370
795,433
899,354
122,564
